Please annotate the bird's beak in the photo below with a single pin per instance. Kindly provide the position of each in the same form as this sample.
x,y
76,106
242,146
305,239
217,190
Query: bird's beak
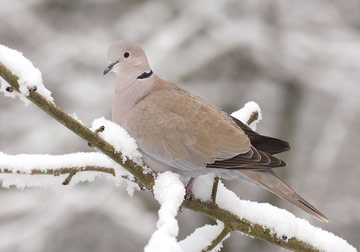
x,y
109,67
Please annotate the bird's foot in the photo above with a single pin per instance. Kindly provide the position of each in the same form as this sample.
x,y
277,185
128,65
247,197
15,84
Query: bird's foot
x,y
189,196
188,189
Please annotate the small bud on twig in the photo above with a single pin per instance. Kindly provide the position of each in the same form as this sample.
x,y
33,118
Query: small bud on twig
x,y
100,129
68,179
10,89
32,89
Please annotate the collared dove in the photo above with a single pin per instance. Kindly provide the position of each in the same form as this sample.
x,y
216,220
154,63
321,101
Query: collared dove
x,y
179,131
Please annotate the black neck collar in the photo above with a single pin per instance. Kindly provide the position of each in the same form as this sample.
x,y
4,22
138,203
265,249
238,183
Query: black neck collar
x,y
145,75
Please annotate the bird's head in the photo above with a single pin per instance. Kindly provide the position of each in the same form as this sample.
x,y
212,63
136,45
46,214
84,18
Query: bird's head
x,y
127,58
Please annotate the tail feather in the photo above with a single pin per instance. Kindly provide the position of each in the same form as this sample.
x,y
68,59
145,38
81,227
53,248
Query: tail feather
x,y
269,180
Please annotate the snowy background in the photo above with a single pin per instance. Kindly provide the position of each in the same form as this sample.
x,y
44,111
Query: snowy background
x,y
300,61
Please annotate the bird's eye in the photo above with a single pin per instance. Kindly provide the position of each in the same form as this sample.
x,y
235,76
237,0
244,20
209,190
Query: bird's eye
x,y
126,55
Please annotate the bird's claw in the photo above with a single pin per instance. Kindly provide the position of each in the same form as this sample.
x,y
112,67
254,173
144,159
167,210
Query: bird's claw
x,y
188,189
189,196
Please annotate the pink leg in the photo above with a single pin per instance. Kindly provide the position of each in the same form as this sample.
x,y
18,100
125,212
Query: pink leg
x,y
188,189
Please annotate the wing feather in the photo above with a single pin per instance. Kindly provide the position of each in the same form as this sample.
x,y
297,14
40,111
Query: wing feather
x,y
181,130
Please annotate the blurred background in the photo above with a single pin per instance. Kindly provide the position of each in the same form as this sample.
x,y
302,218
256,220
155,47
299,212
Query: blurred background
x,y
299,60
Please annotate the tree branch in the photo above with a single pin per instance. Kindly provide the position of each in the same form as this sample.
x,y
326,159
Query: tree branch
x,y
235,223
57,172
146,178
253,117
218,238
208,208
68,178
214,189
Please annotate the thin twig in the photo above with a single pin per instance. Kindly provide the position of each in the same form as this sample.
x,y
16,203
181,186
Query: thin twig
x,y
68,178
253,117
218,238
214,189
69,170
208,208
57,172
100,129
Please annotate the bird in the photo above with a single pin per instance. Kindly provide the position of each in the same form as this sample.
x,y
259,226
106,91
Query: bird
x,y
179,131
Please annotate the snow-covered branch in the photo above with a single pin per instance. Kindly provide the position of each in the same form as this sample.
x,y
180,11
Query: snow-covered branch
x,y
255,219
206,238
77,128
219,239
169,192
19,170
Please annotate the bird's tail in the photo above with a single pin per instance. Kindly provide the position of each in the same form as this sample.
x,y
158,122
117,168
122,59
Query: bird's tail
x,y
269,180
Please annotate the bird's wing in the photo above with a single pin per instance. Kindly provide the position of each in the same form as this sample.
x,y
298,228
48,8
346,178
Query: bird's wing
x,y
267,144
177,129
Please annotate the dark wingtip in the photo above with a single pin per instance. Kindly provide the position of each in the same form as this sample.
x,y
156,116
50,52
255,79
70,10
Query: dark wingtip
x,y
267,144
270,145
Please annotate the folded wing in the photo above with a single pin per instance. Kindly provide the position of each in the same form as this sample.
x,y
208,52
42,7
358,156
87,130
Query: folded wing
x,y
182,131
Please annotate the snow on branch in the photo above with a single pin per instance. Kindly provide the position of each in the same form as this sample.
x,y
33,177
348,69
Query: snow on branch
x,y
19,170
281,223
206,238
259,220
250,114
29,77
74,125
169,191
119,138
